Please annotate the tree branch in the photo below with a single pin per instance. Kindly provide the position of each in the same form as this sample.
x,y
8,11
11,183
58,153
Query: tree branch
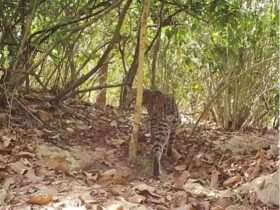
x,y
103,58
54,28
99,88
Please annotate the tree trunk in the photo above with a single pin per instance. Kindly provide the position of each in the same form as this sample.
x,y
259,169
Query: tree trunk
x,y
101,97
24,53
128,80
140,78
154,62
156,49
70,88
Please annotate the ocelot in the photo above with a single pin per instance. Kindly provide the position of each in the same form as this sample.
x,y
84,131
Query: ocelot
x,y
164,117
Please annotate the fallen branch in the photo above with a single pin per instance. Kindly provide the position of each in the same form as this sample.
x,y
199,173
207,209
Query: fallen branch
x,y
29,112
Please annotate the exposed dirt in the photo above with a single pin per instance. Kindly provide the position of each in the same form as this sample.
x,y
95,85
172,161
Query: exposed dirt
x,y
74,156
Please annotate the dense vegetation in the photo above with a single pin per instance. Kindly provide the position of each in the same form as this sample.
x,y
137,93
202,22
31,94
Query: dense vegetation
x,y
219,58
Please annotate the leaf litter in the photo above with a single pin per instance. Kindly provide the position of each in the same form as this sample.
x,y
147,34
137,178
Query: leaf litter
x,y
77,159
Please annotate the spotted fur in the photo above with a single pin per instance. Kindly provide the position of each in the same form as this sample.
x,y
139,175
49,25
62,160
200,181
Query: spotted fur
x,y
164,117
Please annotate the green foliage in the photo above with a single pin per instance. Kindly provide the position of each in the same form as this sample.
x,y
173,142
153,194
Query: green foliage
x,y
201,44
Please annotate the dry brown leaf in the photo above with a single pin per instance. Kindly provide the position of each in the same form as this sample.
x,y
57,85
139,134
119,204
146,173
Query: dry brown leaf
x,y
157,200
59,164
144,187
114,124
217,208
120,208
181,167
168,197
145,190
82,127
70,130
108,175
221,204
113,176
117,142
4,150
3,165
207,158
3,195
7,140
137,198
40,199
117,189
181,180
232,181
205,205
11,180
19,167
43,115
91,177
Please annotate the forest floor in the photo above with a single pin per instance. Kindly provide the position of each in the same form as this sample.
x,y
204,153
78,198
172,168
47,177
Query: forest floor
x,y
75,157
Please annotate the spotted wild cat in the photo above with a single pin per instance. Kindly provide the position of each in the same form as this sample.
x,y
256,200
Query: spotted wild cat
x,y
164,117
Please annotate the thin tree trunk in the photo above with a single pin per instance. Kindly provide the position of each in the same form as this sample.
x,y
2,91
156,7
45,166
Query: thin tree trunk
x,y
140,77
101,61
24,53
226,98
156,51
154,62
128,80
101,97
